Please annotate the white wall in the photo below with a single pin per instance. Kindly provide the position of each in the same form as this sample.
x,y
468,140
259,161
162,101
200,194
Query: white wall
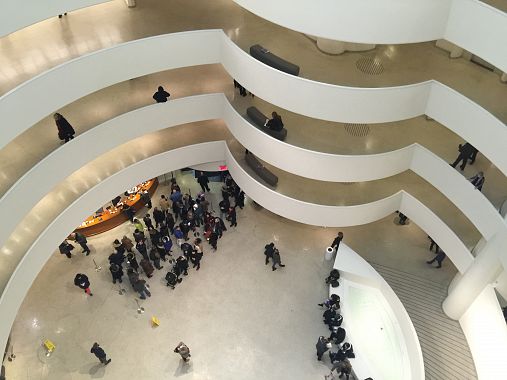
x,y
38,181
486,333
470,24
17,14
366,21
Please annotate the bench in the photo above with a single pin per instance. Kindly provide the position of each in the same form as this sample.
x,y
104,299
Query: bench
x,y
258,118
265,56
260,170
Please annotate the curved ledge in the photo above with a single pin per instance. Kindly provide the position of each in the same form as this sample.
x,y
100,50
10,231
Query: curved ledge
x,y
35,11
398,342
470,24
39,180
42,248
94,71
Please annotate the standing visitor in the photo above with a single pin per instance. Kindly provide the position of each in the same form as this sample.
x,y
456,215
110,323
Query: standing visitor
x,y
161,95
276,260
184,351
337,240
203,181
81,240
116,271
66,248
65,130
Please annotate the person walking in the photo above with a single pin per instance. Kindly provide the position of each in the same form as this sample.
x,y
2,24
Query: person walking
x,y
478,180
65,130
231,215
100,354
337,240
276,259
141,287
116,271
268,251
466,151
161,95
184,351
65,248
81,240
182,265
439,257
322,346
203,181
81,281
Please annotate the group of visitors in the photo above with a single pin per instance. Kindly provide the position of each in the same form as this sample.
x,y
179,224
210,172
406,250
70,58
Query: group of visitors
x,y
333,319
468,152
272,253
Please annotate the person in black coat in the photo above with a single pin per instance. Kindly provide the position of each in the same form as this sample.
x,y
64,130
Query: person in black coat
x,y
240,199
147,221
117,272
276,260
142,249
65,130
146,199
337,240
132,261
203,181
231,215
129,212
161,95
81,281
159,216
65,249
466,151
100,354
337,335
224,205
322,346
182,265
81,240
275,123
268,251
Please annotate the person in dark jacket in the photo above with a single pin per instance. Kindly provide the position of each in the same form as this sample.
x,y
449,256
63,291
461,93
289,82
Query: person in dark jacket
x,y
159,216
213,240
203,181
129,212
118,247
224,206
275,123
219,227
139,236
147,221
184,351
81,240
81,281
433,244
182,265
172,279
100,354
146,199
439,257
337,240
466,151
155,257
231,215
117,272
196,254
65,249
330,302
478,180
240,199
268,251
322,346
142,289
337,335
333,278
141,248
276,260
132,261
161,95
65,130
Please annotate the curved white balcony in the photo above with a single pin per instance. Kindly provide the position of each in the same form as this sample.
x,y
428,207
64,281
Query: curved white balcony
x,y
336,103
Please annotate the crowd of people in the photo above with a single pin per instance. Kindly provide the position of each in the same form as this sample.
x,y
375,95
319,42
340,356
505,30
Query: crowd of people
x,y
173,235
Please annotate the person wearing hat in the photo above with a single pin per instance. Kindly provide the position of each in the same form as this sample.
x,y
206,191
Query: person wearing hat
x,y
100,354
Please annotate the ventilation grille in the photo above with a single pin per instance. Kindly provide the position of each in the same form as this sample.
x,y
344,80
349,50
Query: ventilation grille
x,y
371,66
357,130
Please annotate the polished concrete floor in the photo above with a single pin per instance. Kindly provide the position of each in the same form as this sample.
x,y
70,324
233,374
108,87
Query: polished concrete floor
x,y
240,319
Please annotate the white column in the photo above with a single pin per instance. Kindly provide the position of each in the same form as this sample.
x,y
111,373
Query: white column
x,y
485,269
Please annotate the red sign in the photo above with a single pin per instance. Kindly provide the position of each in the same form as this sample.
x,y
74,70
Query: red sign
x,y
222,167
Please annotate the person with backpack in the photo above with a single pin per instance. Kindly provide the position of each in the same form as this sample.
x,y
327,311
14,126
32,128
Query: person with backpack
x,y
81,281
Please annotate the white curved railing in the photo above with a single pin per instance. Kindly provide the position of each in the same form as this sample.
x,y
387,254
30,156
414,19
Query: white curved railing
x,y
396,353
16,14
470,24
43,247
41,178
103,68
